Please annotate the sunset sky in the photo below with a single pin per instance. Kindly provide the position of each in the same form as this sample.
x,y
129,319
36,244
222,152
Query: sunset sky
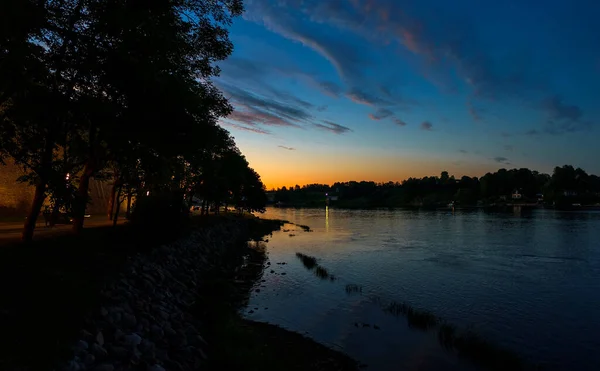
x,y
337,90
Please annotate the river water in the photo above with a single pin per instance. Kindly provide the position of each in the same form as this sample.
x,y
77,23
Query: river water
x,y
526,280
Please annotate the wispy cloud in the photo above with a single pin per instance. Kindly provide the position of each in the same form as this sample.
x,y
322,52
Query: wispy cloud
x,y
330,88
463,151
250,128
502,160
508,147
563,117
399,122
361,97
474,111
287,148
426,125
380,114
332,127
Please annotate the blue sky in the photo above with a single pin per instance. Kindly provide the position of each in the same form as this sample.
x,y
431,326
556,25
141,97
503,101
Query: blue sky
x,y
328,90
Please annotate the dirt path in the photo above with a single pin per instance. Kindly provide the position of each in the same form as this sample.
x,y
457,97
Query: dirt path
x,y
10,232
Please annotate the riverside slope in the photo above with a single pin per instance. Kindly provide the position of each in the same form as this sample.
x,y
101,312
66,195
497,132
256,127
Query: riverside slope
x,y
147,319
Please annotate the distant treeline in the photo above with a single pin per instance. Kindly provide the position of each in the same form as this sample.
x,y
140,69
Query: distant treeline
x,y
566,185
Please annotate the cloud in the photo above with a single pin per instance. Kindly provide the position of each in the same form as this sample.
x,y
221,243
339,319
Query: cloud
x,y
287,148
246,128
532,132
463,151
380,114
426,125
346,60
561,111
361,97
474,112
563,117
399,122
332,127
508,147
253,110
502,160
330,88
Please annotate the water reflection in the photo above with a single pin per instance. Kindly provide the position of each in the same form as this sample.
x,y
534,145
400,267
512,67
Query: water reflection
x,y
528,282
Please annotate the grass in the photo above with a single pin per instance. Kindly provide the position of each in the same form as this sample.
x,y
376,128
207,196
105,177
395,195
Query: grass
x,y
236,343
467,344
353,289
305,228
310,263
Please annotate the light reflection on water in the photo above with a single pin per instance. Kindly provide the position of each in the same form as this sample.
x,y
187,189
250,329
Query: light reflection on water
x,y
528,280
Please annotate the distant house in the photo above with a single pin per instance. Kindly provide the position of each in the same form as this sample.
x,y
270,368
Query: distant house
x,y
516,195
570,193
502,198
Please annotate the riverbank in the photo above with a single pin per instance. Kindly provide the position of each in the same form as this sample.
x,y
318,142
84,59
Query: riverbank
x,y
114,298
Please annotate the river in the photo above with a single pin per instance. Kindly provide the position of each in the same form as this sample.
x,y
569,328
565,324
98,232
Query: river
x,y
526,280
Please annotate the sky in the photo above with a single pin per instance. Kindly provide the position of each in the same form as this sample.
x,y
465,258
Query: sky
x,y
383,90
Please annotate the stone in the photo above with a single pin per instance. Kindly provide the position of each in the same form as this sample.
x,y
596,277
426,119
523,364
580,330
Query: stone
x,y
89,359
99,351
103,312
133,339
80,346
104,367
73,365
118,352
156,368
100,338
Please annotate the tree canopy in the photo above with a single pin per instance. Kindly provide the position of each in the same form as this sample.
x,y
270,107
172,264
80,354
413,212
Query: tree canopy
x,y
121,89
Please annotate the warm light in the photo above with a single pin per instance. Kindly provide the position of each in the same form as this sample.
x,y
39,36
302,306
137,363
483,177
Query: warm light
x,y
148,193
68,176
326,218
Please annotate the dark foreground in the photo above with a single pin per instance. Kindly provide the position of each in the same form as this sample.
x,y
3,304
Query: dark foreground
x,y
50,287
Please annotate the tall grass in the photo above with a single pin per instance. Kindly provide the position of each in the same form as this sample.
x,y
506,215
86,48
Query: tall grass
x,y
310,263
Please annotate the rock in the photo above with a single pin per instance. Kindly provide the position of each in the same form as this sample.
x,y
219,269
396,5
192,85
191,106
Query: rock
x,y
257,290
146,346
89,359
99,351
118,352
87,336
73,365
129,320
103,312
104,367
100,338
133,339
156,368
80,346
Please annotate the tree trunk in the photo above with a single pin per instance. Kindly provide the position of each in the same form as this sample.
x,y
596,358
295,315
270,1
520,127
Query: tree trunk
x,y
110,207
116,214
82,197
55,213
36,207
128,214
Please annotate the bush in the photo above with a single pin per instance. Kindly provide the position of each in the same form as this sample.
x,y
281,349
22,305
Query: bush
x,y
159,211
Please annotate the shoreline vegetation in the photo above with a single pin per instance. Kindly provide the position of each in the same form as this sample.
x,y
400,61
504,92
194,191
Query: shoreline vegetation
x,y
466,343
56,296
567,188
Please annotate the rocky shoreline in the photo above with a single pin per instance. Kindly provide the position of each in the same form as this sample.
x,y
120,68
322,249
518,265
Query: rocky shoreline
x,y
148,318
145,321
